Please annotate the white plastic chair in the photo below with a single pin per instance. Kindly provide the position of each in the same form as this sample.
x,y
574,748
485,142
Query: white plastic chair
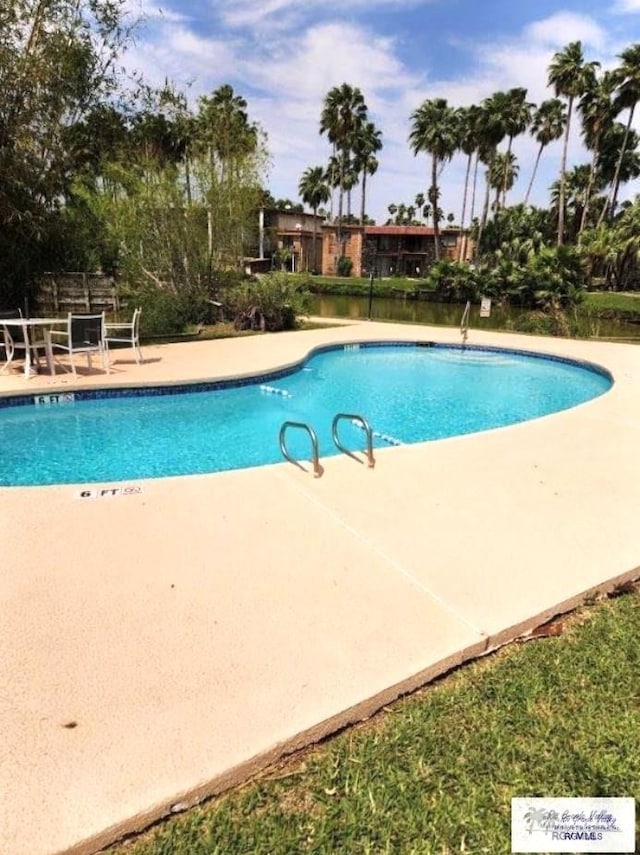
x,y
125,334
84,334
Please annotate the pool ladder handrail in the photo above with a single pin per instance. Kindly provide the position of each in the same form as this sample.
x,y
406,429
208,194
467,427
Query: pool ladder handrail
x,y
464,322
317,469
354,417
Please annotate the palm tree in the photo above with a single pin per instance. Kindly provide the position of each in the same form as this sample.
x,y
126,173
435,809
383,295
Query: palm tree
x,y
547,126
567,74
491,130
467,119
517,118
368,141
502,174
574,194
628,78
609,161
433,132
314,191
344,112
223,131
596,110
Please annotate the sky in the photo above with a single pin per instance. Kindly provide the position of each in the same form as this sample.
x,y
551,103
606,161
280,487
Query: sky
x,y
283,56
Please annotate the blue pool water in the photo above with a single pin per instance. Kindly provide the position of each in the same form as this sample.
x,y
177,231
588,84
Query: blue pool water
x,y
407,393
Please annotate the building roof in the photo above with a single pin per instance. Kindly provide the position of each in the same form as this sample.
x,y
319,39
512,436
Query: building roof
x,y
407,230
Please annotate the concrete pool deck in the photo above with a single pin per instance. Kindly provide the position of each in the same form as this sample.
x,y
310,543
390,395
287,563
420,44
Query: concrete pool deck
x,y
162,646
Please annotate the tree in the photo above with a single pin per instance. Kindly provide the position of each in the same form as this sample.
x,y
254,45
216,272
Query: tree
x,y
597,117
568,73
58,62
367,143
223,128
467,119
491,130
627,77
344,112
547,126
574,190
502,175
434,132
228,140
516,117
314,191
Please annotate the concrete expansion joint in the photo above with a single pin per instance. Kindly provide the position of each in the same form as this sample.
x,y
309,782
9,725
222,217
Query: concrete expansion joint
x,y
388,560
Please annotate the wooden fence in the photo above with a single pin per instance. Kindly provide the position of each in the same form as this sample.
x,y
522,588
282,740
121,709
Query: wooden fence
x,y
77,292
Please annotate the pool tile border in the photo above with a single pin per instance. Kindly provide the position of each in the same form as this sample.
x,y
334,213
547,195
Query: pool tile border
x,y
24,400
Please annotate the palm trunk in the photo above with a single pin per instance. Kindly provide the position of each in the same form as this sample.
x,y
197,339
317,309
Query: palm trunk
x,y
434,206
504,179
485,209
474,188
363,196
464,209
563,170
610,203
533,174
315,252
587,197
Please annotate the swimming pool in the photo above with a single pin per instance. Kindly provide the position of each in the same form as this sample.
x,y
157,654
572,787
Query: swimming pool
x,y
408,392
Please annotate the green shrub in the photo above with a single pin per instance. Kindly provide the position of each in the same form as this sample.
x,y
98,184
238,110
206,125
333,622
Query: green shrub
x,y
163,312
270,304
345,266
454,281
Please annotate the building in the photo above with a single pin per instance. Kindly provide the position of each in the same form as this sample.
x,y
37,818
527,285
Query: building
x,y
288,240
301,242
388,250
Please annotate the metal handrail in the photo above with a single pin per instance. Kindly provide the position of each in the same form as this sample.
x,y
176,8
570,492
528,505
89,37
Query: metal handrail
x,y
354,417
464,322
317,469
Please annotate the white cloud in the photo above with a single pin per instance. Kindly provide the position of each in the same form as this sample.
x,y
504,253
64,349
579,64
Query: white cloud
x,y
626,6
148,10
563,27
285,68
255,13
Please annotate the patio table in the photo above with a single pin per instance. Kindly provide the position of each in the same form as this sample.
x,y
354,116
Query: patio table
x,y
29,325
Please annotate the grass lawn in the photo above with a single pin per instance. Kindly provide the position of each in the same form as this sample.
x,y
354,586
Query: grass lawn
x,y
434,773
611,301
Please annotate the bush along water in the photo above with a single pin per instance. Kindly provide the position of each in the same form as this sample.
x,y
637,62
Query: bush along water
x,y
270,304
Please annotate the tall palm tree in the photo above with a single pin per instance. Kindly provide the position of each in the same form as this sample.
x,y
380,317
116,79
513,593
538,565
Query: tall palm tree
x,y
367,143
344,112
574,194
567,74
502,174
597,114
609,161
434,132
517,118
627,76
467,120
547,126
223,127
491,130
314,191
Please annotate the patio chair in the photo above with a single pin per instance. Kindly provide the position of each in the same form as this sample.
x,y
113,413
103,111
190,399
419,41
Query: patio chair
x,y
126,333
84,334
13,339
